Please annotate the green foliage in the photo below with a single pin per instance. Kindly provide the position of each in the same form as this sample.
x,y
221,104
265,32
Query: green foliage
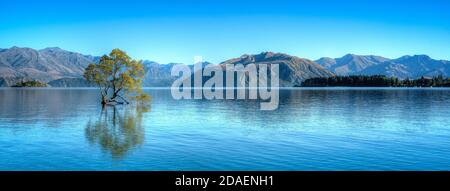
x,y
118,77
376,81
30,84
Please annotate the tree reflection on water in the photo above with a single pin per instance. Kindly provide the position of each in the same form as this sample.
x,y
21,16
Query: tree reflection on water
x,y
117,130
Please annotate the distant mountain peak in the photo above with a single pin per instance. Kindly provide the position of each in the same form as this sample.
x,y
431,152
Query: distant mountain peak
x,y
349,55
251,58
356,56
262,55
292,69
415,58
52,49
421,56
350,64
15,48
326,62
269,54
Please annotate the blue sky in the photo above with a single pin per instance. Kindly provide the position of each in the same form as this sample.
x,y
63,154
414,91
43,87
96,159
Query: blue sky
x,y
176,31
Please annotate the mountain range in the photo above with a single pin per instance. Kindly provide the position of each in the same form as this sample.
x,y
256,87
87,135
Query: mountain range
x,y
46,65
404,67
61,68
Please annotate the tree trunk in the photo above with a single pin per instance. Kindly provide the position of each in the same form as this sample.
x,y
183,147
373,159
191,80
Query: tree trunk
x,y
104,100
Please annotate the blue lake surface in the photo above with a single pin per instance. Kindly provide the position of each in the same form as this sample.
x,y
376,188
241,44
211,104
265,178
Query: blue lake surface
x,y
313,129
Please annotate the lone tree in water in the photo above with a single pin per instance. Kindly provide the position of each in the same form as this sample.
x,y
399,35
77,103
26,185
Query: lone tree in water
x,y
119,78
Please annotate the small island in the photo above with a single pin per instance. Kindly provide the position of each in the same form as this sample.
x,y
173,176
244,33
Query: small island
x,y
32,83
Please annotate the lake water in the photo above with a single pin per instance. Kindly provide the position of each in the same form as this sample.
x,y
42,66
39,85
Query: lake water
x,y
313,129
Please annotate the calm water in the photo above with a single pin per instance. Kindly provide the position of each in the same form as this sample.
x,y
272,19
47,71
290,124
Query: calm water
x,y
313,129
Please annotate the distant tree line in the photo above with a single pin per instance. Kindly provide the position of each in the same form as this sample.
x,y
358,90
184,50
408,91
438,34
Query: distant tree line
x,y
376,81
32,83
